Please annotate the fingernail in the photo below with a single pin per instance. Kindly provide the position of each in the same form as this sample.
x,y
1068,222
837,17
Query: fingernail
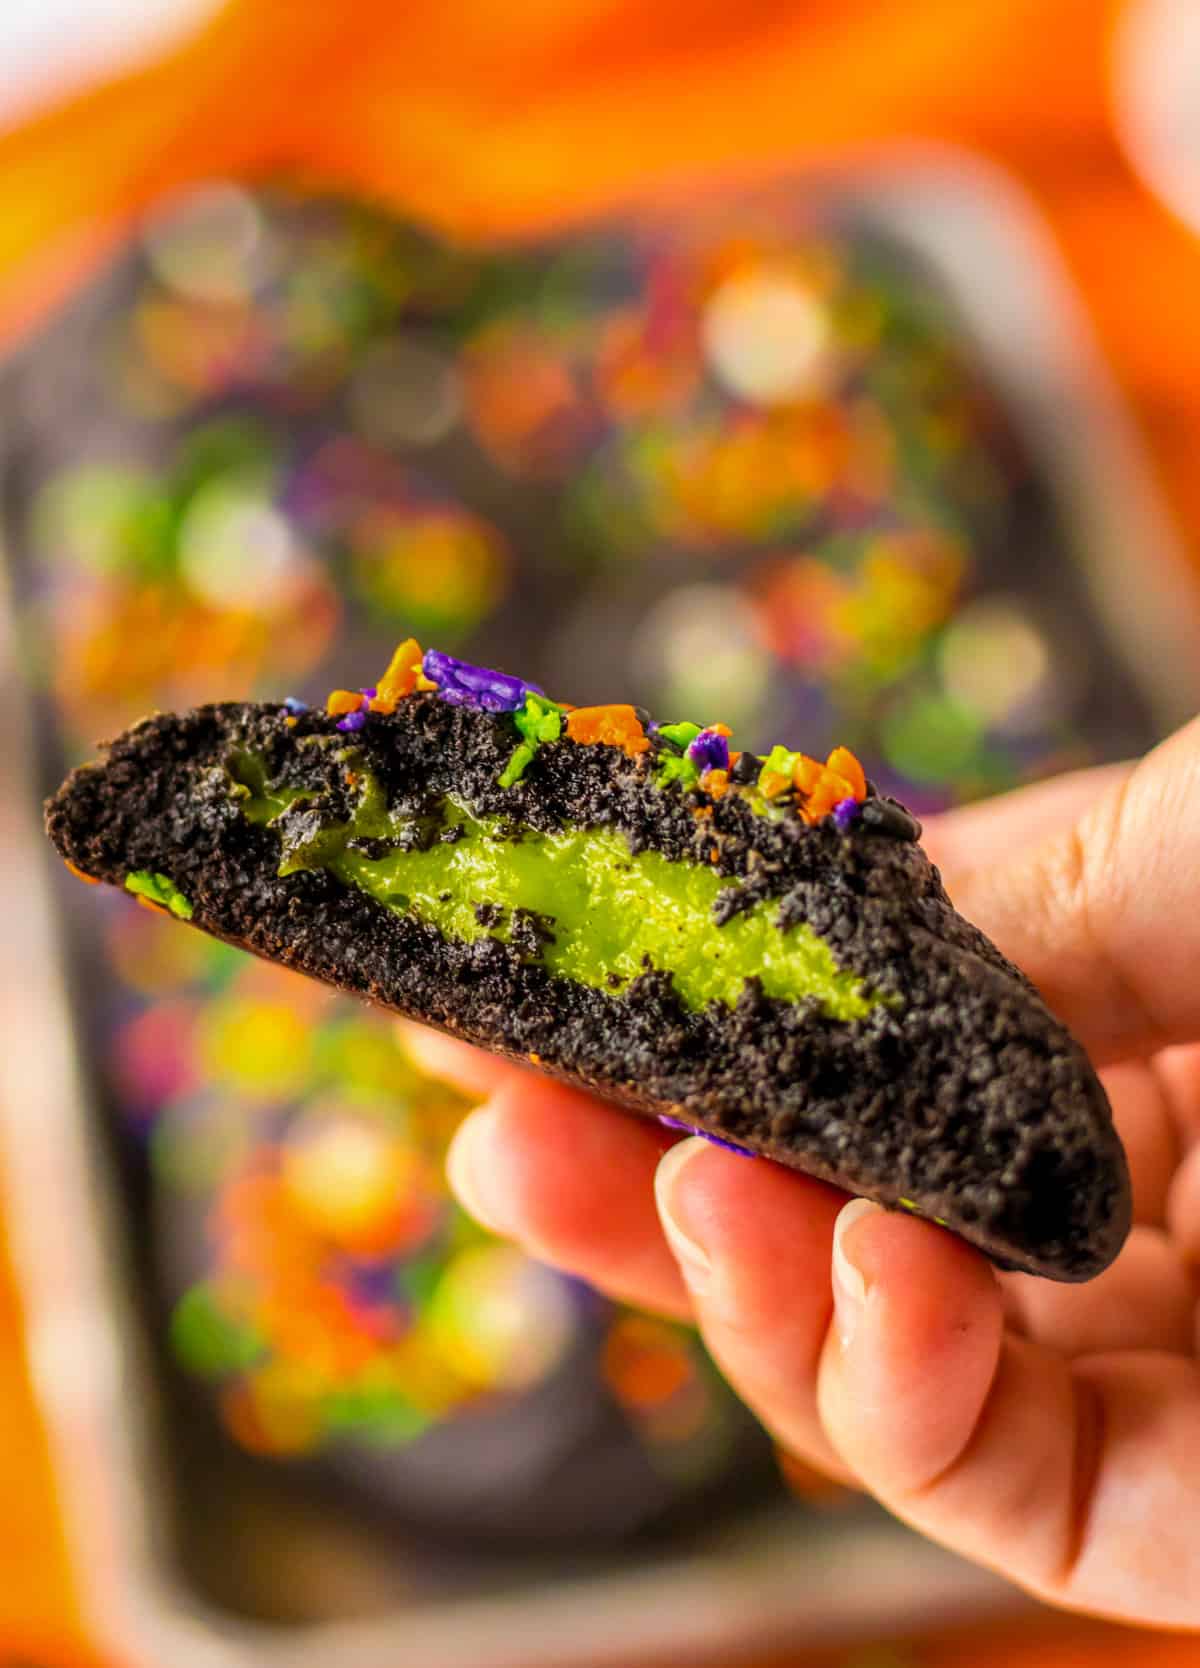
x,y
684,1233
849,1286
471,1172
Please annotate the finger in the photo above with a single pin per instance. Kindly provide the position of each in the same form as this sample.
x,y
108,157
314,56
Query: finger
x,y
1144,1300
1177,1072
1103,916
1077,1480
471,1069
572,1181
985,833
753,1242
1183,1210
1149,1133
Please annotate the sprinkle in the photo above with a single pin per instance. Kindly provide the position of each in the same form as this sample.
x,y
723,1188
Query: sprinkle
x,y
677,767
354,721
715,783
822,787
294,704
680,736
403,675
159,890
343,700
710,749
885,816
538,720
775,776
843,763
465,685
88,880
716,1140
845,814
618,726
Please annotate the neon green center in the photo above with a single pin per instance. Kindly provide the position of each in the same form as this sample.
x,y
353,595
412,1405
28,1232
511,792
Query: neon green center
x,y
612,913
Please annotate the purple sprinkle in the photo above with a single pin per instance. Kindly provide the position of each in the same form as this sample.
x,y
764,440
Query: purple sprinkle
x,y
464,685
371,1283
353,721
845,814
294,704
716,1140
710,751
582,1294
370,693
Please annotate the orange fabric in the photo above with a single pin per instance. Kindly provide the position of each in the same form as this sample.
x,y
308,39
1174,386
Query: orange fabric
x,y
39,1615
487,120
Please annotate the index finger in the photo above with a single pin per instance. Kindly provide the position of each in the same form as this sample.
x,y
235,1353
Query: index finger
x,y
988,832
1104,915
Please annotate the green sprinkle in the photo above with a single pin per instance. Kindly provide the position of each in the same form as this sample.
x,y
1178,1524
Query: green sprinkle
x,y
681,735
143,883
537,720
374,1413
778,762
910,1205
207,1340
675,767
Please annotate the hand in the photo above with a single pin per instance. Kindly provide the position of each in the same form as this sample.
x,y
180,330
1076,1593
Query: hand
x,y
1051,1432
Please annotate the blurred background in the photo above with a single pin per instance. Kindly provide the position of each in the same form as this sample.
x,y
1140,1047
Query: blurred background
x,y
786,365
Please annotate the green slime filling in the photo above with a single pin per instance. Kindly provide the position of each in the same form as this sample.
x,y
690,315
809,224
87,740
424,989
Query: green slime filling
x,y
608,909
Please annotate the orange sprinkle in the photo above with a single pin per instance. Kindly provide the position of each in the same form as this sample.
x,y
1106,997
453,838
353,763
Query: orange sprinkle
x,y
343,700
721,730
88,880
715,783
844,764
773,782
403,675
826,785
619,726
535,1059
827,793
807,773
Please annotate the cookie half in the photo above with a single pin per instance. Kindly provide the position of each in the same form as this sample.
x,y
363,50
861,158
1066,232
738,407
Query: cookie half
x,y
753,948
